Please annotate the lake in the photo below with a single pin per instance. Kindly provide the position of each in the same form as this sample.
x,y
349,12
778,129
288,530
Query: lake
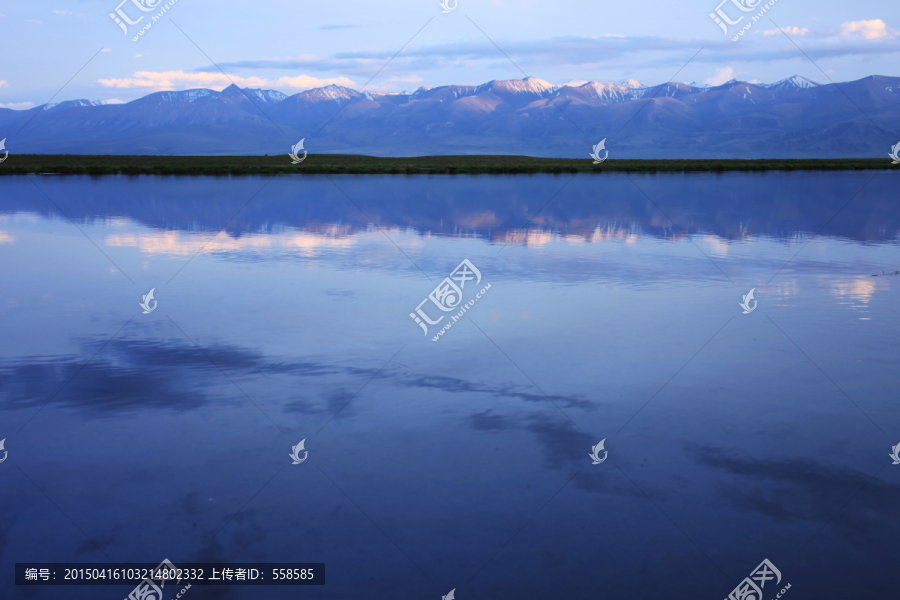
x,y
458,458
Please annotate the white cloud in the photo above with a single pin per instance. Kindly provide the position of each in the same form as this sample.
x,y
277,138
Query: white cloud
x,y
876,28
305,82
410,79
2,83
138,55
18,105
105,50
721,76
787,30
36,22
171,80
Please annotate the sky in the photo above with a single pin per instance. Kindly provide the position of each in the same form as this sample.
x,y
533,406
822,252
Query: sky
x,y
74,50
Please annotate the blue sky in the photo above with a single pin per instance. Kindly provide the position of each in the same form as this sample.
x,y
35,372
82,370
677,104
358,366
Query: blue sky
x,y
295,45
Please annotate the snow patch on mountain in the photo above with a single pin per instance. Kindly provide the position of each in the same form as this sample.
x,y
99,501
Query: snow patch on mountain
x,y
796,82
266,96
74,103
184,96
330,92
531,85
633,84
608,92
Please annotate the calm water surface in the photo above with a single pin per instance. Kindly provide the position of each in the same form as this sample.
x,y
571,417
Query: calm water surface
x,y
463,463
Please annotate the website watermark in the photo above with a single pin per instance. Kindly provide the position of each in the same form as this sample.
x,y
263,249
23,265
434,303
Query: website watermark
x,y
121,18
595,453
448,297
595,154
748,298
751,588
295,153
148,588
6,152
296,450
145,303
722,19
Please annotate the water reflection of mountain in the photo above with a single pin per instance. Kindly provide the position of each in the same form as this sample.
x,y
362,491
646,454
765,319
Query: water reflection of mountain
x,y
732,206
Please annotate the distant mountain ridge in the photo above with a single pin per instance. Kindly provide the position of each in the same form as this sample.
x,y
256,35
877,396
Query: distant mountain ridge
x,y
791,82
792,118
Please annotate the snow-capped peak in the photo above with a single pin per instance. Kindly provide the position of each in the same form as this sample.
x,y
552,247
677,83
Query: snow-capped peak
x,y
609,92
419,93
78,103
575,83
330,92
528,84
268,96
184,95
797,81
632,84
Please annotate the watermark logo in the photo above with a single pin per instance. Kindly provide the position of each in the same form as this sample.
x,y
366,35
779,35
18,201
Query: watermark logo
x,y
295,150
448,296
722,20
744,5
123,20
146,303
144,5
746,303
894,150
6,152
295,452
5,453
449,596
895,455
148,588
751,587
595,453
596,153
445,4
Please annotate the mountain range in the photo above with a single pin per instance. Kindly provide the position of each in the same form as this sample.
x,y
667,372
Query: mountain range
x,y
793,118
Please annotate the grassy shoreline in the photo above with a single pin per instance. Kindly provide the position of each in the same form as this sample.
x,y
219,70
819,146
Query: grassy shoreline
x,y
76,164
